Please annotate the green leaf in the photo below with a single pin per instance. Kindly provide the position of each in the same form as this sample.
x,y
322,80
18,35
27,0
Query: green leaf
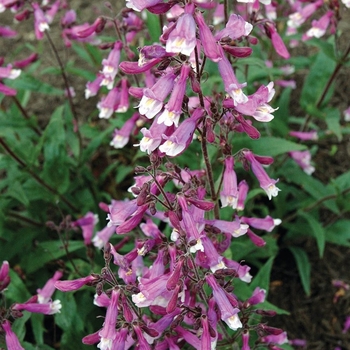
x,y
262,279
28,82
47,251
327,47
333,122
320,72
339,233
304,267
37,322
317,230
56,168
271,146
16,191
153,26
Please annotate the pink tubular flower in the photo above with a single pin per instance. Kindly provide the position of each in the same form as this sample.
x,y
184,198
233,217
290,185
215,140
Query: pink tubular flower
x,y
183,38
258,297
235,228
266,183
96,27
48,308
11,339
110,65
9,73
108,331
277,339
232,86
229,193
347,114
267,224
67,286
139,5
228,312
210,46
7,32
243,189
346,326
304,136
41,23
152,99
296,19
45,294
93,87
7,91
109,103
4,275
277,41
245,340
319,27
303,159
25,62
87,224
178,142
152,137
236,27
173,108
121,137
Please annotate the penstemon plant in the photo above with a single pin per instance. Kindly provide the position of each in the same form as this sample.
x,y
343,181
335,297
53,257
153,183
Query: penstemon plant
x,y
193,97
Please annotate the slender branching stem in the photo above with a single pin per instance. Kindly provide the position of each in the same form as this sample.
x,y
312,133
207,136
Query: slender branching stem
x,y
67,86
24,113
328,85
36,177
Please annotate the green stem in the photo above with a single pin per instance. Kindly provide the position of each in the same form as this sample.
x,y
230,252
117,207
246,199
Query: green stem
x,y
36,177
67,86
328,85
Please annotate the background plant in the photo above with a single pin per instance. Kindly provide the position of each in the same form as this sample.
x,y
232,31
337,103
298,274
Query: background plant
x,y
64,166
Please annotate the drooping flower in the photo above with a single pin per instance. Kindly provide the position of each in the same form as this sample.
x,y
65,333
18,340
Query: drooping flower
x,y
11,339
173,108
228,312
229,193
182,39
178,142
266,183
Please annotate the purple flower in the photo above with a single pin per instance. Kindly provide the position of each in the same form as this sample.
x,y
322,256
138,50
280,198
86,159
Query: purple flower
x,y
152,137
182,39
108,331
152,99
109,103
45,294
229,193
236,27
304,135
41,23
232,86
11,339
139,5
110,65
210,46
319,27
67,286
303,159
87,224
173,108
178,142
4,275
267,223
243,189
228,312
266,183
121,137
48,308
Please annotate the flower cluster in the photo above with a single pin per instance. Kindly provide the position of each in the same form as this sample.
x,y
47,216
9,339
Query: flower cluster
x,y
38,303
